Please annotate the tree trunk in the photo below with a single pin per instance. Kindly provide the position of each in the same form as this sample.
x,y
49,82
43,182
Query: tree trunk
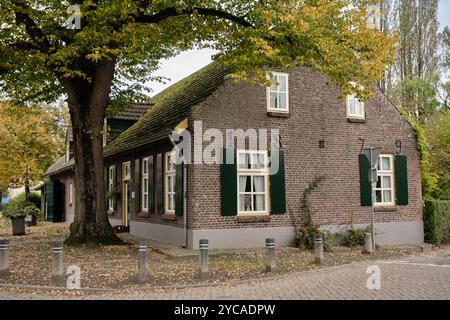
x,y
87,105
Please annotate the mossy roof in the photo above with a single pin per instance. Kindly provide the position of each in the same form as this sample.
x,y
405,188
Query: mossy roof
x,y
170,107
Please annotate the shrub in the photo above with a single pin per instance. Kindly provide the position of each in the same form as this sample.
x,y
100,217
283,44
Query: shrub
x,y
306,234
33,197
353,237
436,218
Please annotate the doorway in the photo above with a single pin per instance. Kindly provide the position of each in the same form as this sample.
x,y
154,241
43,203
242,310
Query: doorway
x,y
126,192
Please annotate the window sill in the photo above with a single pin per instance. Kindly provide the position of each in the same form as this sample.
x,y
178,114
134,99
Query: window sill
x,y
278,114
385,209
169,217
356,120
250,219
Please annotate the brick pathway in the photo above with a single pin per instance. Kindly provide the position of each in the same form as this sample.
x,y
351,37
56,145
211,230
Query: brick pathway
x,y
417,278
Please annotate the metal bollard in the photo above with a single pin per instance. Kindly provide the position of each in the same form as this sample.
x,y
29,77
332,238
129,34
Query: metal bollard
x,y
318,250
142,262
368,246
203,259
57,253
4,257
271,265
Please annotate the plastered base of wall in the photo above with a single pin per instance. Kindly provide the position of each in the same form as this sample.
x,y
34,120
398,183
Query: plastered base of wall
x,y
386,234
69,217
393,233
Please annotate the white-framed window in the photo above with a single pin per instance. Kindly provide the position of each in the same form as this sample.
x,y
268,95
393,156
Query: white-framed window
x,y
355,107
384,191
111,174
144,184
278,92
170,173
70,194
252,175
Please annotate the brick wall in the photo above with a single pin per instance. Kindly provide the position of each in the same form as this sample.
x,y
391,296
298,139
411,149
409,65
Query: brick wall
x,y
316,113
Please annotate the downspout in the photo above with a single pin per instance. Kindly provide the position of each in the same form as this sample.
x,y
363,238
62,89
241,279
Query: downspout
x,y
186,240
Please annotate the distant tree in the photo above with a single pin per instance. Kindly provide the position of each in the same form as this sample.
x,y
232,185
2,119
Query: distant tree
x,y
30,141
438,134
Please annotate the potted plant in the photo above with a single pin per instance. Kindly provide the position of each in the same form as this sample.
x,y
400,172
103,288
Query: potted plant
x,y
31,213
14,211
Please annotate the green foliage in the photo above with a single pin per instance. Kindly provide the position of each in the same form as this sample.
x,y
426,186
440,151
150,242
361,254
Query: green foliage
x,y
436,218
18,207
33,198
306,234
429,178
438,134
353,237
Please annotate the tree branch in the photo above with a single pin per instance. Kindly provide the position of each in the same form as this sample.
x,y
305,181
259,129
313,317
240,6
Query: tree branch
x,y
34,32
206,12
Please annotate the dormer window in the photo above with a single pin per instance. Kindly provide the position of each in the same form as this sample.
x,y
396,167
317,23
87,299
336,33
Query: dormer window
x,y
278,93
355,108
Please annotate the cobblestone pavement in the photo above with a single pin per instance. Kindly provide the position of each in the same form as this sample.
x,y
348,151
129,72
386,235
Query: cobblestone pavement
x,y
421,277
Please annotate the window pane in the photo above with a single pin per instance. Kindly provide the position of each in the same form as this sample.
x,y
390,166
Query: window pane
x,y
386,182
145,185
259,201
245,202
387,195
386,164
282,101
273,81
282,81
379,182
243,182
170,183
273,100
352,106
378,196
244,161
358,108
258,184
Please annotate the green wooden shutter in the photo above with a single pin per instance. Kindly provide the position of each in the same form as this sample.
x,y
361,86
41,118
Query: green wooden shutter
x,y
278,185
364,182
49,200
179,189
401,179
151,198
228,178
158,184
137,185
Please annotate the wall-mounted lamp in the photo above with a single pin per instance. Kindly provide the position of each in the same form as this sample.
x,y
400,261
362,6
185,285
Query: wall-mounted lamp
x,y
321,144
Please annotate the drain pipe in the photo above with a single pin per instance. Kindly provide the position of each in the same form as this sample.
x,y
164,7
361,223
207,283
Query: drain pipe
x,y
185,205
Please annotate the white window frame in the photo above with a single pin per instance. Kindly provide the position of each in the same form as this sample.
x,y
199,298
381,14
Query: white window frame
x,y
386,173
253,172
111,173
144,183
169,173
70,194
269,91
352,97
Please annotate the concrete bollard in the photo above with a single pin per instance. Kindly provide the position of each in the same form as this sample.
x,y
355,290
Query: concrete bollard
x,y
58,262
4,257
368,246
203,259
271,265
318,250
142,262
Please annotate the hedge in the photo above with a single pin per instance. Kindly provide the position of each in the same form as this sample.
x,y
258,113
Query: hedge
x,y
436,218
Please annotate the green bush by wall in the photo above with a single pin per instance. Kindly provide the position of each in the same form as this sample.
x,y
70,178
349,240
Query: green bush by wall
x,y
436,218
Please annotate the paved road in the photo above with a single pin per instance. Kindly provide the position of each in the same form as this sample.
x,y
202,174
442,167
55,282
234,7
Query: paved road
x,y
421,277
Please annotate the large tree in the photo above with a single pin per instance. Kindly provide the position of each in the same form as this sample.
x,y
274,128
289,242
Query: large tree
x,y
119,43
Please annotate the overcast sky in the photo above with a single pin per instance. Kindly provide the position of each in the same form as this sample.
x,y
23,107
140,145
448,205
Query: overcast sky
x,y
188,62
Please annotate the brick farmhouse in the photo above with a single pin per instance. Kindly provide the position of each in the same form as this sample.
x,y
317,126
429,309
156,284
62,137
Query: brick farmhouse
x,y
238,205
